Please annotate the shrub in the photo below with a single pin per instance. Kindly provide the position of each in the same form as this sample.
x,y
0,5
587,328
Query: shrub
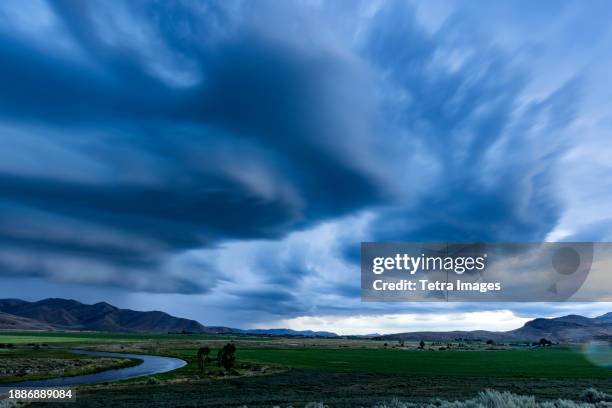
x,y
7,403
593,396
496,399
153,381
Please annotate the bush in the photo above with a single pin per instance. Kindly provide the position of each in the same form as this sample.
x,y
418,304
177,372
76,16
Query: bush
x,y
153,381
496,399
7,403
593,396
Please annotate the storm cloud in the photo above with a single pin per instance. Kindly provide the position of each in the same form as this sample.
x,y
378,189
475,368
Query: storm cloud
x,y
240,151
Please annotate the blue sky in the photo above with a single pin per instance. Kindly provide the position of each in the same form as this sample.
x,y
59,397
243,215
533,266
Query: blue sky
x,y
223,160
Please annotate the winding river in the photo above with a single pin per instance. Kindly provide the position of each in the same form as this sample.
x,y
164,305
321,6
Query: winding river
x,y
150,365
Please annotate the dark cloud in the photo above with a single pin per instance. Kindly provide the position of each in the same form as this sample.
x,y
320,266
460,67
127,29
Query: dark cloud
x,y
141,132
252,149
494,157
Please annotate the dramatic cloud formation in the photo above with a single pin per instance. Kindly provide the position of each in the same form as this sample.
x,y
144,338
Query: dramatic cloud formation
x,y
229,156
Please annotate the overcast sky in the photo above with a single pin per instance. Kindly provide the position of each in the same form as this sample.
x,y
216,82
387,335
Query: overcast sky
x,y
223,160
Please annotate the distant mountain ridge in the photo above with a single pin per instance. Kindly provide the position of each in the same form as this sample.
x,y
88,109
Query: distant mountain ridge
x,y
67,314
570,329
287,332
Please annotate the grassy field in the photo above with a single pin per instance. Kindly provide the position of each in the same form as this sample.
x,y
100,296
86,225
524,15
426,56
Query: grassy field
x,y
520,363
513,363
341,372
297,387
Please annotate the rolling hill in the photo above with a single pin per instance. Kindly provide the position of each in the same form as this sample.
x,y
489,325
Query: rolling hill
x,y
11,322
566,329
66,314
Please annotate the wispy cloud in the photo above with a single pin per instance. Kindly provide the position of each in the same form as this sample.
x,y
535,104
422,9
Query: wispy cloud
x,y
235,153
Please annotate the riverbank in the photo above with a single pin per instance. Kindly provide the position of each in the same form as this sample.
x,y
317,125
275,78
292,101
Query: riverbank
x,y
26,364
146,365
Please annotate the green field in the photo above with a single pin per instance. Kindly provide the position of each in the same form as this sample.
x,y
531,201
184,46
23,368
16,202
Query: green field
x,y
511,363
519,363
353,377
343,372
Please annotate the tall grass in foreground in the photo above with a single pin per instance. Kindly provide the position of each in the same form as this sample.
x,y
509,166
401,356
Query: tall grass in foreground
x,y
591,398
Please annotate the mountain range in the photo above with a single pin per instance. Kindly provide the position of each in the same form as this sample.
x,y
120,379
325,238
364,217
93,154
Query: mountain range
x,y
565,329
66,314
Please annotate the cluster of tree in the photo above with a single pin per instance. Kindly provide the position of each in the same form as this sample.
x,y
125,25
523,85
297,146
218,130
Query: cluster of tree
x,y
226,357
441,345
6,345
543,342
37,346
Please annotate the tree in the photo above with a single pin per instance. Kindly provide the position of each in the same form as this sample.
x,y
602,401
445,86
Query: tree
x,y
219,357
421,344
228,356
544,342
203,353
490,341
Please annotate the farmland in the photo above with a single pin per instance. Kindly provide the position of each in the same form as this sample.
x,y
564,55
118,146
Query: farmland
x,y
343,372
531,363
